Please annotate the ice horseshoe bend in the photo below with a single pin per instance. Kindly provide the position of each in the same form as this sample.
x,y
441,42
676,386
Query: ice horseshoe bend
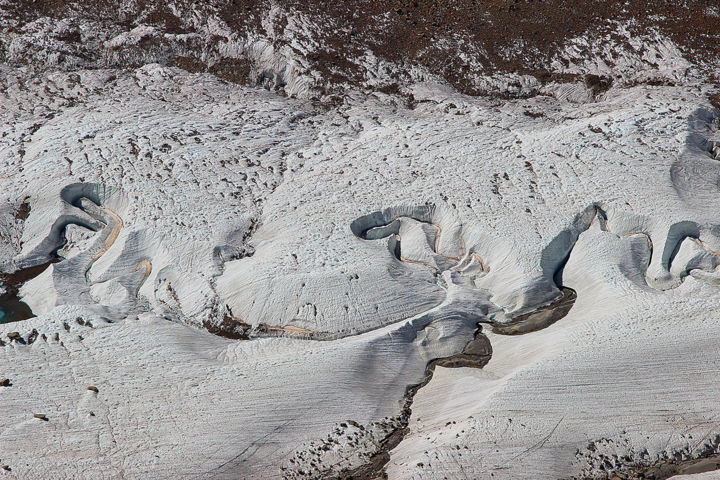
x,y
229,251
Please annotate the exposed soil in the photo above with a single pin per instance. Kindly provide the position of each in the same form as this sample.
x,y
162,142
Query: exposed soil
x,y
229,327
687,467
23,211
663,469
12,309
540,318
454,40
21,276
715,100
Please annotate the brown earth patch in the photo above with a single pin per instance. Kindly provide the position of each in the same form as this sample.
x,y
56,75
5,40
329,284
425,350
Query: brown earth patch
x,y
454,40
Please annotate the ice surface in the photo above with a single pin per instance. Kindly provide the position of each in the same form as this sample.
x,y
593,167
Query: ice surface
x,y
345,248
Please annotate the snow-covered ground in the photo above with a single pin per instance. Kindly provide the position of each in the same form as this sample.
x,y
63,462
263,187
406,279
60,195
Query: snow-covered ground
x,y
248,285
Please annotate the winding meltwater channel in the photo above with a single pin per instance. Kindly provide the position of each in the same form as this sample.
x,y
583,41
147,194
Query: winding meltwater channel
x,y
73,269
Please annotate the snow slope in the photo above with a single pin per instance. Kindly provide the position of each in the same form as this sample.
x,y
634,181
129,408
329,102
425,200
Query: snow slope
x,y
341,249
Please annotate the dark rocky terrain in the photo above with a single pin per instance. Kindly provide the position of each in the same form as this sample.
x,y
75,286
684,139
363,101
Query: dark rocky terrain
x,y
378,45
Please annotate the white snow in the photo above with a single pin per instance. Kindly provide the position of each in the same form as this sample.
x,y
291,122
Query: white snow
x,y
212,201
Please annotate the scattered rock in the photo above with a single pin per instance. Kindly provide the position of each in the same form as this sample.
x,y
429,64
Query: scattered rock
x,y
93,388
715,100
229,327
23,211
598,84
33,336
5,382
